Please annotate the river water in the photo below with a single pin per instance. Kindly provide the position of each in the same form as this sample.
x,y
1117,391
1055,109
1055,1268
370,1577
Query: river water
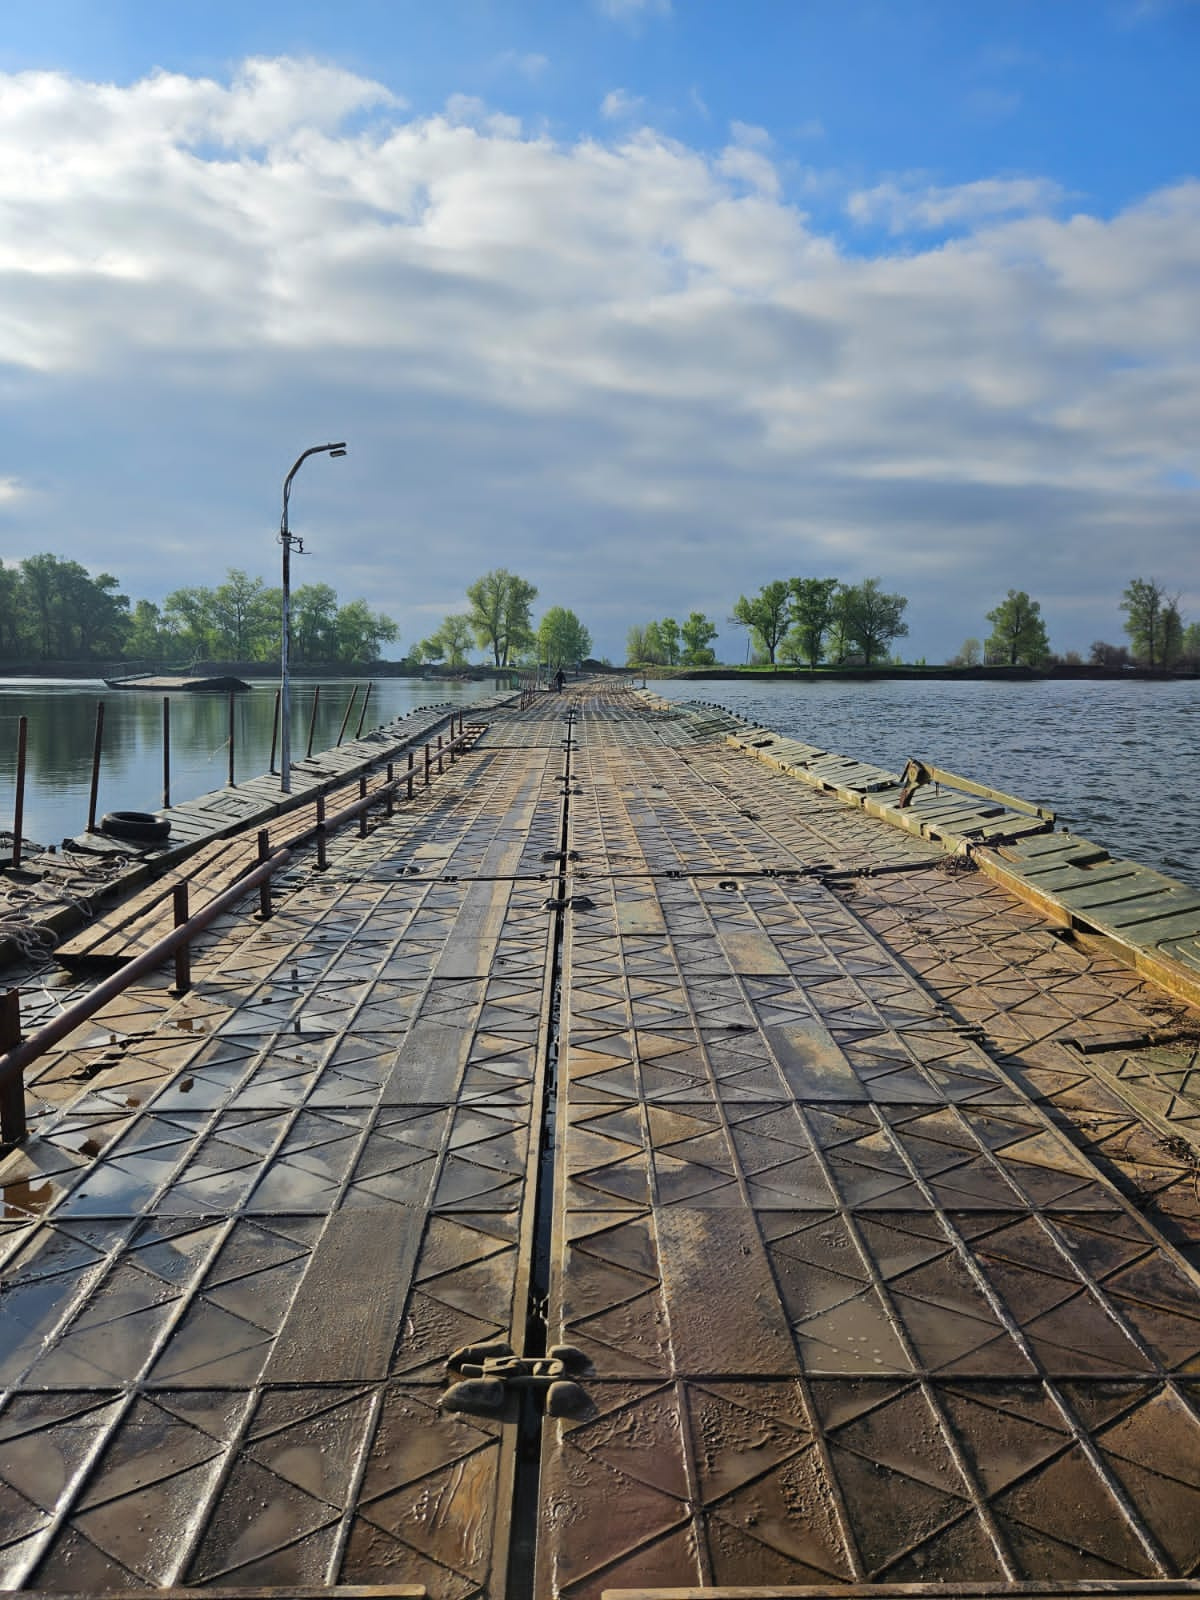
x,y
62,719
1119,761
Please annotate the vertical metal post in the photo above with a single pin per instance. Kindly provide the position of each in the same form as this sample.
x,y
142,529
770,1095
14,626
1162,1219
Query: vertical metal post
x,y
166,751
232,784
19,804
411,759
264,888
349,709
362,795
274,732
391,793
183,956
312,722
453,742
97,746
440,768
13,1126
322,863
427,766
362,715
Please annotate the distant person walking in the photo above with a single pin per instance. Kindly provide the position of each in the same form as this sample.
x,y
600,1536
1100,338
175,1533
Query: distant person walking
x,y
559,680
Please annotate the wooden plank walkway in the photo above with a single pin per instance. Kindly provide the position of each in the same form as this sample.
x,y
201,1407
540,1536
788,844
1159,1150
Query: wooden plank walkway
x,y
868,1202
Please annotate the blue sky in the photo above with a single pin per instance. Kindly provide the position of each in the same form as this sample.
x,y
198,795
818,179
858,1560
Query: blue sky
x,y
650,301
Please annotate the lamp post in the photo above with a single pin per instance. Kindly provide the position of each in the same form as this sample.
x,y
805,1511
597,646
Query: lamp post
x,y
287,539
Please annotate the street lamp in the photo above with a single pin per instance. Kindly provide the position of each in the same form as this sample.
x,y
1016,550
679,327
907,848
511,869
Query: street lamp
x,y
287,539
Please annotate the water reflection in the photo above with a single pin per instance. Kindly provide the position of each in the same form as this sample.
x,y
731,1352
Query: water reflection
x,y
1117,760
62,720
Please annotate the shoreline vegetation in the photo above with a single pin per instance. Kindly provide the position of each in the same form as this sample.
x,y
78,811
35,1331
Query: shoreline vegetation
x,y
262,671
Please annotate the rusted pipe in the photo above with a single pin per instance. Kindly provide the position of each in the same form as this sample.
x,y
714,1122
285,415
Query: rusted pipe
x,y
183,956
391,793
97,746
13,1126
411,760
362,795
322,862
312,722
166,751
264,888
427,766
275,732
346,718
19,802
362,716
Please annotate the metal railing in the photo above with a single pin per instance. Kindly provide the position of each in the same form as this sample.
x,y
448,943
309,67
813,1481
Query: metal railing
x,y
20,1053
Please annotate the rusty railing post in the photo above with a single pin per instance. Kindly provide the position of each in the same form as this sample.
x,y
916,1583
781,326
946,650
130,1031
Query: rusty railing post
x,y
346,718
166,751
183,956
13,1127
232,783
275,731
362,795
362,715
312,722
427,766
322,863
97,746
411,759
440,767
264,888
391,788
19,802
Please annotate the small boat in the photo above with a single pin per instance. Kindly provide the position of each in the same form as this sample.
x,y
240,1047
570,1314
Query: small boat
x,y
175,685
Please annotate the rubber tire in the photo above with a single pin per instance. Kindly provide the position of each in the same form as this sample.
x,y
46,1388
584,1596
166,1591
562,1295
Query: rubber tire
x,y
142,827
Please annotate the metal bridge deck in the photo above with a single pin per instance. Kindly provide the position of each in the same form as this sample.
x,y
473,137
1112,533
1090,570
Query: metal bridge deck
x,y
871,1202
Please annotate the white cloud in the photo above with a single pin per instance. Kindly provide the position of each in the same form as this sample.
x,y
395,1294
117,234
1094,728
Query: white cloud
x,y
627,368
930,208
525,64
633,10
619,105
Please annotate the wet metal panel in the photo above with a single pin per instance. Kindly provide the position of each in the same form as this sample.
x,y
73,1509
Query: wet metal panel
x,y
986,1359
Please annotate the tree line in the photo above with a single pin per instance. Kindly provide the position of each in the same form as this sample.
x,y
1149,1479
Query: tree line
x,y
54,609
499,619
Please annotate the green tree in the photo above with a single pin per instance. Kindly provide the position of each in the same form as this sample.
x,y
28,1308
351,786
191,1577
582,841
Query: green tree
x,y
812,618
635,644
654,650
146,639
454,638
39,586
562,637
1018,636
969,655
314,622
1172,633
11,611
872,619
361,631
698,633
188,617
500,606
767,615
1145,602
668,633
246,615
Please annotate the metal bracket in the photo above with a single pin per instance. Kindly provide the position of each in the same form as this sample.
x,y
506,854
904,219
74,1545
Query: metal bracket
x,y
488,1373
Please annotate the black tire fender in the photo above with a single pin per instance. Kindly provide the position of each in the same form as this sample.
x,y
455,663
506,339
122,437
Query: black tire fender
x,y
143,827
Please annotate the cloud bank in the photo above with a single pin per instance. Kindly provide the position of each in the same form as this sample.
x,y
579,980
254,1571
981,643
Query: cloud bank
x,y
632,370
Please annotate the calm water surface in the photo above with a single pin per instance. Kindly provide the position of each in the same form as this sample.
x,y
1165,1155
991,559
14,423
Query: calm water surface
x,y
62,719
1118,761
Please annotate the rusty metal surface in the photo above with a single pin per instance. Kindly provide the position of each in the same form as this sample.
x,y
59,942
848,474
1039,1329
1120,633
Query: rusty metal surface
x,y
868,1203
857,1308
236,1261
